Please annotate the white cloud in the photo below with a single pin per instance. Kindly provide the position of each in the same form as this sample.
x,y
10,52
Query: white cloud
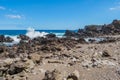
x,y
14,16
115,8
2,8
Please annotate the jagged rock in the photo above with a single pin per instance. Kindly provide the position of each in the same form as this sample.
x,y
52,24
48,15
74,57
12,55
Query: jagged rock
x,y
1,50
69,33
16,68
81,40
2,38
105,54
73,76
35,57
50,48
29,64
8,39
51,35
53,75
24,37
8,61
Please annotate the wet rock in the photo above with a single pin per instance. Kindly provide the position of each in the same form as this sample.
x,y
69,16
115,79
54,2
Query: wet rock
x,y
92,40
51,35
24,37
8,39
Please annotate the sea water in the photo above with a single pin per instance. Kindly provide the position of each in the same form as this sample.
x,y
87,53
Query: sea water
x,y
30,32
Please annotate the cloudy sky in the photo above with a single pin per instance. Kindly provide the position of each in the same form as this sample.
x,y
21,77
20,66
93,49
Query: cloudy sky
x,y
56,14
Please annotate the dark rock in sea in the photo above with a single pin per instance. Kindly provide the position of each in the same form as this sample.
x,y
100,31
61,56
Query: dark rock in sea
x,y
8,39
51,35
23,37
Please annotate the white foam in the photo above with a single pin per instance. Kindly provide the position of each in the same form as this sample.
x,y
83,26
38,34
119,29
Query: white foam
x,y
16,40
60,35
33,34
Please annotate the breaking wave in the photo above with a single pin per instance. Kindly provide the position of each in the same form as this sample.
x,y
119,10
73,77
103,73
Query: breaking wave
x,y
33,34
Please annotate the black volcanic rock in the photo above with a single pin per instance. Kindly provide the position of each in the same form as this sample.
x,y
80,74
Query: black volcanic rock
x,y
51,35
8,39
1,50
23,37
2,38
5,39
69,33
96,30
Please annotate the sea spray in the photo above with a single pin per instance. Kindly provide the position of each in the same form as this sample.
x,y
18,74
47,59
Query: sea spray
x,y
16,40
33,34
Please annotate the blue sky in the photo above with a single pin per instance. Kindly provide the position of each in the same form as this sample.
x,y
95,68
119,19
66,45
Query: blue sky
x,y
56,14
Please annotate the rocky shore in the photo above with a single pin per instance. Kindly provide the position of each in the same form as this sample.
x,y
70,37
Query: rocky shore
x,y
89,54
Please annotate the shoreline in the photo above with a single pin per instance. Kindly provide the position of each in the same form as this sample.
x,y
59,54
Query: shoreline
x,y
38,56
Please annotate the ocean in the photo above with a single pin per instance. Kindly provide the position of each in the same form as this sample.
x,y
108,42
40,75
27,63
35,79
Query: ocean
x,y
18,32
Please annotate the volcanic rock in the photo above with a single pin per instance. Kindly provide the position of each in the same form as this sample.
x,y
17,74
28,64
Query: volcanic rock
x,y
24,37
35,57
105,54
2,38
52,75
51,35
8,39
69,33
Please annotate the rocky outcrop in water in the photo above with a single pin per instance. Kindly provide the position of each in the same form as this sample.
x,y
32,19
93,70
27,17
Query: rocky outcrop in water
x,y
5,39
